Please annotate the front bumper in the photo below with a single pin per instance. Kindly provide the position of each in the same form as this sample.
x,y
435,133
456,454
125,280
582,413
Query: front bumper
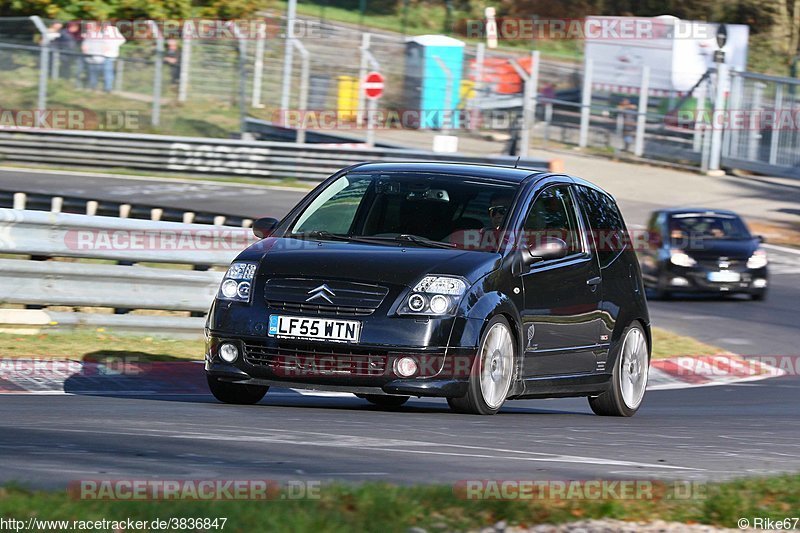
x,y
405,387
699,279
443,348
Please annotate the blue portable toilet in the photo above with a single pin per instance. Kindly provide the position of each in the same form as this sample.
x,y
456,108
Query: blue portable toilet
x,y
425,83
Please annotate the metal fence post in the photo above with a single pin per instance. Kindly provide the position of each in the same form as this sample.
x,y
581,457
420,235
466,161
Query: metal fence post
x,y
531,97
258,64
586,105
44,59
475,112
776,130
362,73
157,74
186,62
291,13
303,102
700,107
705,155
730,137
718,118
371,107
641,118
531,81
55,64
754,135
242,49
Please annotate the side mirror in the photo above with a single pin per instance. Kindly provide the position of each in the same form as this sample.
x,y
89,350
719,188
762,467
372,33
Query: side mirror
x,y
761,238
550,248
263,227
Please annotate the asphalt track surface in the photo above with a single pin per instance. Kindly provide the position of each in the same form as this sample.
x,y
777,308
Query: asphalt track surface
x,y
702,433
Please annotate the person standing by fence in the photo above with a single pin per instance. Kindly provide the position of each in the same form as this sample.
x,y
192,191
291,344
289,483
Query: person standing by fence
x,y
101,44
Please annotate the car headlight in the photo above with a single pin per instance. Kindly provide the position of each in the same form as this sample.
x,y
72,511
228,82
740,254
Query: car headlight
x,y
237,282
681,259
758,259
434,295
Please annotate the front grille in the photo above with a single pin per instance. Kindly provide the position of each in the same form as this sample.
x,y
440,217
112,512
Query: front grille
x,y
316,360
713,264
347,298
319,309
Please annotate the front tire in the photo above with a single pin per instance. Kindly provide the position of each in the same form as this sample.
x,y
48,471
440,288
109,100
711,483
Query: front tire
x,y
629,378
235,393
492,371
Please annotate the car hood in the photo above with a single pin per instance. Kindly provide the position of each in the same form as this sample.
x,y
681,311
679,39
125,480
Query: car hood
x,y
391,264
715,248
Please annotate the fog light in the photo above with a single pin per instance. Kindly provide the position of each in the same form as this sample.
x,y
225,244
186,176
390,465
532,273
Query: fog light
x,y
228,352
439,304
230,288
405,367
759,283
680,282
416,302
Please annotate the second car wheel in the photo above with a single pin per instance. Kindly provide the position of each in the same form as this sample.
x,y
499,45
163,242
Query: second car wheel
x,y
629,378
235,393
492,371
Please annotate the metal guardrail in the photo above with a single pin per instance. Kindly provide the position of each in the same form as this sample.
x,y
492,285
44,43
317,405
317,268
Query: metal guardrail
x,y
93,285
124,286
225,157
40,233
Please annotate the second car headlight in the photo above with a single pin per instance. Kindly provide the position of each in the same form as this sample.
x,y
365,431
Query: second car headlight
x,y
758,259
434,295
681,258
237,283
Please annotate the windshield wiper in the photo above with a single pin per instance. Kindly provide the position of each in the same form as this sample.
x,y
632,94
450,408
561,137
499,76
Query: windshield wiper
x,y
322,234
421,241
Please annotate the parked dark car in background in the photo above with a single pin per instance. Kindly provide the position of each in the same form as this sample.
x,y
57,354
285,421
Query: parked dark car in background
x,y
703,250
474,283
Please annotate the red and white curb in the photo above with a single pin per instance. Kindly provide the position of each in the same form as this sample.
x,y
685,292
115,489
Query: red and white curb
x,y
708,370
61,376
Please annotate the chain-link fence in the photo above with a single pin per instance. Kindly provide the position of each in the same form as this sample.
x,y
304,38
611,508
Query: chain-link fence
x,y
762,122
257,73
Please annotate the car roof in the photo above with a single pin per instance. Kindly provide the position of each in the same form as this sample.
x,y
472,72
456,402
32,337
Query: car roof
x,y
511,174
698,210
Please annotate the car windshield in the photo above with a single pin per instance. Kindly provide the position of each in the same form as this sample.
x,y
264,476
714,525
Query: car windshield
x,y
409,209
708,226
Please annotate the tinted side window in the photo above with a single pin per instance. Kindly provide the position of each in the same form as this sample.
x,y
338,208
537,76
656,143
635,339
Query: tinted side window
x,y
553,214
608,228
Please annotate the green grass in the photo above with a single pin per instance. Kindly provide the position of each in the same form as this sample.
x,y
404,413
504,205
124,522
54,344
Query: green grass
x,y
98,344
668,344
388,508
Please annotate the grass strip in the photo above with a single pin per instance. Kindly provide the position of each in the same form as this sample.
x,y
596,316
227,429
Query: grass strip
x,y
389,508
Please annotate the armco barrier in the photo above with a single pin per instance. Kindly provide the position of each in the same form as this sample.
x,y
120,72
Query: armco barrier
x,y
161,153
43,235
40,233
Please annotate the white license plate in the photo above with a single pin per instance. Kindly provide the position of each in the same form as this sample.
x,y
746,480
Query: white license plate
x,y
324,329
724,276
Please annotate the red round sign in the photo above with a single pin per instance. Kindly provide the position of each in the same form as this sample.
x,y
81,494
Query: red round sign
x,y
373,85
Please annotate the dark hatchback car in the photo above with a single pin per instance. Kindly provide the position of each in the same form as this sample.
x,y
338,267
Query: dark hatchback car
x,y
474,283
703,250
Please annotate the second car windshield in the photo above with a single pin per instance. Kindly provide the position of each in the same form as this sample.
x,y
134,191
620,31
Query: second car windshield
x,y
708,227
403,206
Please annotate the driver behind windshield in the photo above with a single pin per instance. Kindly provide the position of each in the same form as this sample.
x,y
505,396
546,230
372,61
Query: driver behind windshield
x,y
498,208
